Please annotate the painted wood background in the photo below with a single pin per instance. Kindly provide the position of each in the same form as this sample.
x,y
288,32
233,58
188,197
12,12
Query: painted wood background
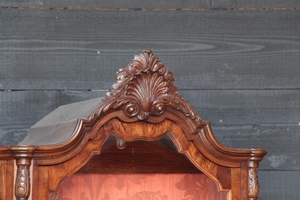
x,y
236,62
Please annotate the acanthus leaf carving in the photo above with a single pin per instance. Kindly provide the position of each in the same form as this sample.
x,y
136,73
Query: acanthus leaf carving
x,y
144,88
22,186
253,183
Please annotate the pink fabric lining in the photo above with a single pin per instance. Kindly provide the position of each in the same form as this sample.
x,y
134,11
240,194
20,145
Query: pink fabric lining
x,y
139,187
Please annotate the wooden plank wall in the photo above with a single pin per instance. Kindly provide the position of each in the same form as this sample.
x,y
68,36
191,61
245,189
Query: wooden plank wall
x,y
236,62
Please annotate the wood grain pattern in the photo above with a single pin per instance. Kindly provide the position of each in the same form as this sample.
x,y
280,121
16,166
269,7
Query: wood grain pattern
x,y
155,4
205,50
6,177
139,157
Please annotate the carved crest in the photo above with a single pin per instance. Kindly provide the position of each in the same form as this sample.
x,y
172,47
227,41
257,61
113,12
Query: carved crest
x,y
145,88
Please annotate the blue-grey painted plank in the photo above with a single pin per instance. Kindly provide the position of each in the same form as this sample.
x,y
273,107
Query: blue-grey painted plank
x,y
137,4
22,109
279,185
205,50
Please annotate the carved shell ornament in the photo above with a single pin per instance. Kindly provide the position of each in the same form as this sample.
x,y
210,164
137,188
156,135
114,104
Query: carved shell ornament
x,y
143,89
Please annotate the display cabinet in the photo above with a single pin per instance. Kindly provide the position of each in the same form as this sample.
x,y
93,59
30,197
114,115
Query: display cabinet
x,y
141,141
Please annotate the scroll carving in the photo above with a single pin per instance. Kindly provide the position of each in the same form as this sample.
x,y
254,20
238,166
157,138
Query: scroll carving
x,y
22,187
143,89
253,183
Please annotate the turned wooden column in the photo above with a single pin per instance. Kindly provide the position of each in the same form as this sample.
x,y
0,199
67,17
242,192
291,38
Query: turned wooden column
x,y
23,156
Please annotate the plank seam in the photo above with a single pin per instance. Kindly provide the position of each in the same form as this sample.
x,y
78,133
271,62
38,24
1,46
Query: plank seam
x,y
59,90
147,9
278,170
181,89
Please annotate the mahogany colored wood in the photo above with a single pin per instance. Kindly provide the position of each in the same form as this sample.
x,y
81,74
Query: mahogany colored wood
x,y
144,112
159,156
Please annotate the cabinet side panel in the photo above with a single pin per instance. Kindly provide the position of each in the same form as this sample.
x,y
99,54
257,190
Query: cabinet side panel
x,y
244,181
2,179
40,182
6,179
236,184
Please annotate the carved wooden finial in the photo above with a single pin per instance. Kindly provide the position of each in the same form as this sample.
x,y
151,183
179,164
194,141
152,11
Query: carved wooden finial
x,y
145,88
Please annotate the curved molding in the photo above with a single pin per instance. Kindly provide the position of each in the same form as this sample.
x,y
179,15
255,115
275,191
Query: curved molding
x,y
146,131
139,131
